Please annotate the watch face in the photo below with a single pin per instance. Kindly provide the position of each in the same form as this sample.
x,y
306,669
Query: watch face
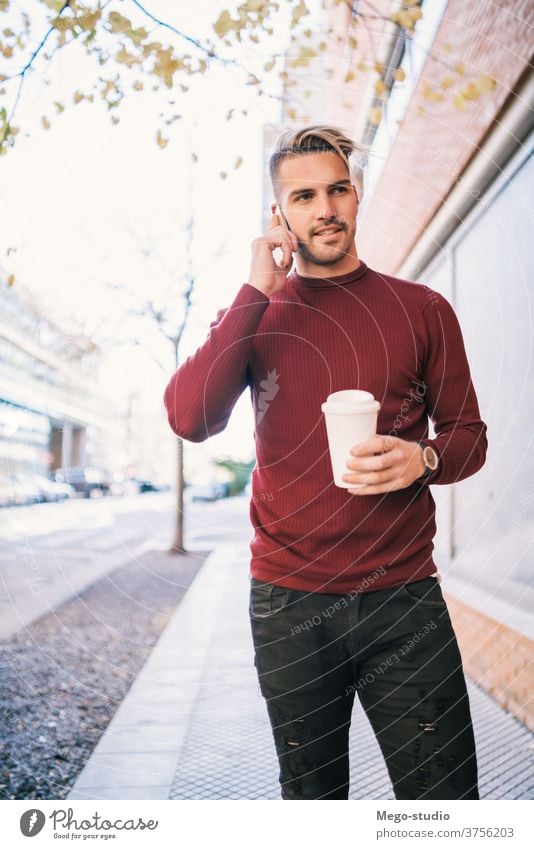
x,y
430,458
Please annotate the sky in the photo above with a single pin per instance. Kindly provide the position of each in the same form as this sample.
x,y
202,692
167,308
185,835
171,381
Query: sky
x,y
93,214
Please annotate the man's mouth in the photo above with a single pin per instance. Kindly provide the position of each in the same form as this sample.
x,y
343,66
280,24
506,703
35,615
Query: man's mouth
x,y
328,231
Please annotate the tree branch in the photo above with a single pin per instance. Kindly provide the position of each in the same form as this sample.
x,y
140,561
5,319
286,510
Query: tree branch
x,y
28,64
209,51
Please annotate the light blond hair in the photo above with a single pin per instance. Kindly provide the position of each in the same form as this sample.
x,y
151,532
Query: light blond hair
x,y
316,138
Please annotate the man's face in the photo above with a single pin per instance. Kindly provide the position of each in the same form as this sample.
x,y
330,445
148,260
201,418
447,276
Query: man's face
x,y
320,205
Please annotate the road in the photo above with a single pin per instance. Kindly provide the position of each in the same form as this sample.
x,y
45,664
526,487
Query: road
x,y
50,552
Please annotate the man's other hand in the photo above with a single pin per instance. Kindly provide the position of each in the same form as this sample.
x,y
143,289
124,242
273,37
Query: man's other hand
x,y
384,464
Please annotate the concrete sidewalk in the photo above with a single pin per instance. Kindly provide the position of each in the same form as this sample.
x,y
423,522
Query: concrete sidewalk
x,y
194,724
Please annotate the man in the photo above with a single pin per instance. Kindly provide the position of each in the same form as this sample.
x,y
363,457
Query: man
x,y
345,596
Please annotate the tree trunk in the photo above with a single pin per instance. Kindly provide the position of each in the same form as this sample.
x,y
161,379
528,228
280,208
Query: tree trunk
x,y
178,543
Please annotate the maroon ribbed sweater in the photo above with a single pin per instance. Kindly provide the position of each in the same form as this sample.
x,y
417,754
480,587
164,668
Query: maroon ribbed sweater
x,y
362,330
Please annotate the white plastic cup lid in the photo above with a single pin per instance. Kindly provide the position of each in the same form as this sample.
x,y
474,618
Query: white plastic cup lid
x,y
350,401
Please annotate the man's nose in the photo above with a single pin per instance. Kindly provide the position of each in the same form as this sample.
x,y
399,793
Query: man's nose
x,y
327,208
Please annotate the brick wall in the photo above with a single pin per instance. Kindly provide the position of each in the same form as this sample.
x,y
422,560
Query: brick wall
x,y
432,149
497,658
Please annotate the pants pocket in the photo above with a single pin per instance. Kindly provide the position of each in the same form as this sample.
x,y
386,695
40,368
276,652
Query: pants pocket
x,y
426,592
266,599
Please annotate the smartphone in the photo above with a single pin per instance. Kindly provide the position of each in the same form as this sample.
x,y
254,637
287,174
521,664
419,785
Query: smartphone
x,y
286,222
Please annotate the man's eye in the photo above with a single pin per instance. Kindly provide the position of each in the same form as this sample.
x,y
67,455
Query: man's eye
x,y
304,197
340,188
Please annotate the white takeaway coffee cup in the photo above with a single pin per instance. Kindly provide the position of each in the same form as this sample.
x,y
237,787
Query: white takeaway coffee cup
x,y
350,417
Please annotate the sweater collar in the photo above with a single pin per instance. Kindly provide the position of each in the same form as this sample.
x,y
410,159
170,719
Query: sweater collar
x,y
329,282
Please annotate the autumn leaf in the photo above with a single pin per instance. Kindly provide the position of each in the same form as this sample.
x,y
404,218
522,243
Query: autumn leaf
x,y
160,140
253,5
486,83
238,162
303,58
152,47
88,20
10,279
380,87
126,58
470,92
137,35
300,11
375,115
225,23
166,65
109,86
118,23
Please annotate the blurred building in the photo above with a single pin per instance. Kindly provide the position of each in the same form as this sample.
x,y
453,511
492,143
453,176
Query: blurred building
x,y
52,412
449,200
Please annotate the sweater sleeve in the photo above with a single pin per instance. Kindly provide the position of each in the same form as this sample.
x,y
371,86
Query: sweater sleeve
x,y
202,392
452,405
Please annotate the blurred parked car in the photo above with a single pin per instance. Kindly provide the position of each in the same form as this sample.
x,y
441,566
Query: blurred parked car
x,y
18,492
88,481
209,492
202,493
124,486
27,492
45,489
149,486
7,498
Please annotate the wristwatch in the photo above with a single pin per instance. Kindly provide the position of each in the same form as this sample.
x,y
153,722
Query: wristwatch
x,y
430,459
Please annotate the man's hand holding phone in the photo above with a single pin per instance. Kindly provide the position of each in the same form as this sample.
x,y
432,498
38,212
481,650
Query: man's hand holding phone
x,y
265,273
